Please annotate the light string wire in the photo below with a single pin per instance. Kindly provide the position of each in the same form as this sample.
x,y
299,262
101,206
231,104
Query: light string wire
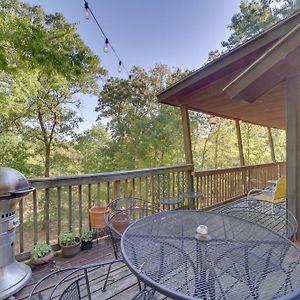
x,y
107,40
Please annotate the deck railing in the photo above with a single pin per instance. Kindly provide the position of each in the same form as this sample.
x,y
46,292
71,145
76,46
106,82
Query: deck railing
x,y
62,202
222,185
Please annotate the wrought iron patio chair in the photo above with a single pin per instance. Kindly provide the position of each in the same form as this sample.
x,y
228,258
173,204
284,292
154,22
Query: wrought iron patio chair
x,y
273,216
72,291
77,283
122,212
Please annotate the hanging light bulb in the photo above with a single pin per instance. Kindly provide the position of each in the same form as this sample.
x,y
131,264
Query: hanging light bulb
x,y
86,11
212,120
130,79
106,48
120,67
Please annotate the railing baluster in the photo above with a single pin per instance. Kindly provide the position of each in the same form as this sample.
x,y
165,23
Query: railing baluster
x,y
58,210
98,194
21,226
140,188
70,207
108,191
133,187
80,206
147,188
153,191
47,219
35,215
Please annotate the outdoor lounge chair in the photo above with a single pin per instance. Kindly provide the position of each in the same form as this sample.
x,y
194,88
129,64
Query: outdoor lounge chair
x,y
274,194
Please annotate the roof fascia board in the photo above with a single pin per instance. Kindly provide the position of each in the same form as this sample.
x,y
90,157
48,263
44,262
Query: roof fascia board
x,y
257,42
264,63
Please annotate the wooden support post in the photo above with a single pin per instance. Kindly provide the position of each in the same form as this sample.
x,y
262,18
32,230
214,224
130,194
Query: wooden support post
x,y
187,149
293,145
240,143
271,144
186,134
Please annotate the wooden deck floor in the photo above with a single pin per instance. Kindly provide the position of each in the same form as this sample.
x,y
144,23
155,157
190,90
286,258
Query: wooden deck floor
x,y
124,285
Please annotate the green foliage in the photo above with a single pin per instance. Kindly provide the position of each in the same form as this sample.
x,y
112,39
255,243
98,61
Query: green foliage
x,y
67,238
144,133
86,235
44,65
13,152
91,150
255,16
44,69
40,249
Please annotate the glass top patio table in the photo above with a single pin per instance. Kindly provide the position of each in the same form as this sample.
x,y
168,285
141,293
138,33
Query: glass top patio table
x,y
237,259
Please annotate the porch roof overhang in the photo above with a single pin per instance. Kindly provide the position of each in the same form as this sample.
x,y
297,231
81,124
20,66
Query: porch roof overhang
x,y
246,83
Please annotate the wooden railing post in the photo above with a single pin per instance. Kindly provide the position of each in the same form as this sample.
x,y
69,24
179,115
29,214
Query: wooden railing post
x,y
116,189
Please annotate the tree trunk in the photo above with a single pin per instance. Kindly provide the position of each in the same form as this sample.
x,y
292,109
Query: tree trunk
x,y
47,160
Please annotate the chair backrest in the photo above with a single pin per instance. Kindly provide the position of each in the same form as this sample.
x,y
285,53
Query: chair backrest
x,y
72,283
131,208
71,292
280,189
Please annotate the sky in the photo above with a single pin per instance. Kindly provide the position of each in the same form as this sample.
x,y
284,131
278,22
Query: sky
x,y
178,33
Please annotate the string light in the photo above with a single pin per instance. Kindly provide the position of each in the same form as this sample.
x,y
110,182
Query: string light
x,y
87,13
106,47
212,120
120,67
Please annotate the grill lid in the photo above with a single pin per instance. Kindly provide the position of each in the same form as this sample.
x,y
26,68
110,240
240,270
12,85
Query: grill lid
x,y
13,184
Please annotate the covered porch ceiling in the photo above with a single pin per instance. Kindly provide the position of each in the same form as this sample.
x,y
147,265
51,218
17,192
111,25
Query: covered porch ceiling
x,y
261,64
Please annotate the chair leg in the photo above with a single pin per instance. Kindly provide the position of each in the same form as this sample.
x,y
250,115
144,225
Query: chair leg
x,y
106,278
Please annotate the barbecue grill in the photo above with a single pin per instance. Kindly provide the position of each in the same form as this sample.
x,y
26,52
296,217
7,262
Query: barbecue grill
x,y
13,275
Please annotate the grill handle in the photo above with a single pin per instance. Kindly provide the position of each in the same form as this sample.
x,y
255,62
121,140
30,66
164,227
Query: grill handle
x,y
22,193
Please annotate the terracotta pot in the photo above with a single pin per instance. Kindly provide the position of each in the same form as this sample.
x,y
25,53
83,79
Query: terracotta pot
x,y
70,251
97,215
120,222
42,260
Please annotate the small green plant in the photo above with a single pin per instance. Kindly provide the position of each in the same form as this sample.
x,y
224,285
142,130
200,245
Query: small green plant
x,y
86,235
67,238
40,249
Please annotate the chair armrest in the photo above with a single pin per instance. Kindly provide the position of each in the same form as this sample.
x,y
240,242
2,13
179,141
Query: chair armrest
x,y
253,191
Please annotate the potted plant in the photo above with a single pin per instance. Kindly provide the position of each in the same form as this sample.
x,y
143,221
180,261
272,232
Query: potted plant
x,y
41,253
86,239
69,243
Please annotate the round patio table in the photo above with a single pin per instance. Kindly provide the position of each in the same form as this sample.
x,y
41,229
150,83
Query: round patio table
x,y
231,259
